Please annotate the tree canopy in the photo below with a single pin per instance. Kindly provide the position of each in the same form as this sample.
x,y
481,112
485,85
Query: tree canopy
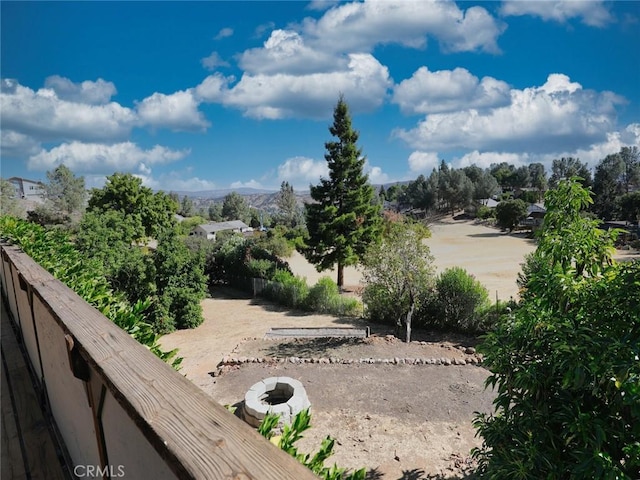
x,y
65,191
125,193
343,219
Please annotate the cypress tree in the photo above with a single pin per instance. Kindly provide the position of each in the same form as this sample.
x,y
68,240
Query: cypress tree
x,y
343,219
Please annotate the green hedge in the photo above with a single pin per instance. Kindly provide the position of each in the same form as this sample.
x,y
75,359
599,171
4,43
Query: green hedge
x,y
54,251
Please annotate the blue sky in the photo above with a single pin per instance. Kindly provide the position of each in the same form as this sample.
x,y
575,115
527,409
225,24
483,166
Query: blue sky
x,y
201,95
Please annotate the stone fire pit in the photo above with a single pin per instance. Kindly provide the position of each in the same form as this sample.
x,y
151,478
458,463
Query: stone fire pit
x,y
283,396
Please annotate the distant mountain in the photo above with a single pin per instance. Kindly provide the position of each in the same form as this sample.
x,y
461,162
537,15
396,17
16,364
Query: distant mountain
x,y
222,192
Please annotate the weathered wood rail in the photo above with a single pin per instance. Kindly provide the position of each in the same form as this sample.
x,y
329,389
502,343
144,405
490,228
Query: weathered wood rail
x,y
120,411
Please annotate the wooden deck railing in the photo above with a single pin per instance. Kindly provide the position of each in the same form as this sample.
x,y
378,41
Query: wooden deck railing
x,y
122,412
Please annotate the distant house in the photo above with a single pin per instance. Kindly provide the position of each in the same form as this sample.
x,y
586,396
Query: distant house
x,y
209,230
535,216
28,189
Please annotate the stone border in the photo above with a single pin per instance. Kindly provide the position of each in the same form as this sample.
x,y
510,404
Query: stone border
x,y
255,409
228,363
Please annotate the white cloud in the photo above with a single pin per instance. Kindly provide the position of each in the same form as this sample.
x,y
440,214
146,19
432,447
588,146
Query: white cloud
x,y
178,111
213,88
212,61
301,171
364,84
44,116
321,4
250,184
559,115
224,33
285,52
449,90
14,144
95,157
592,12
376,175
485,159
423,161
93,93
360,26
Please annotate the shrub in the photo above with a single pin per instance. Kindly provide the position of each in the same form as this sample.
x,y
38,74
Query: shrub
x,y
287,289
460,301
485,212
325,297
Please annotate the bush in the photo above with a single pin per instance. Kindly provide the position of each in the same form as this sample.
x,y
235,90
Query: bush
x,y
325,297
287,289
460,301
485,212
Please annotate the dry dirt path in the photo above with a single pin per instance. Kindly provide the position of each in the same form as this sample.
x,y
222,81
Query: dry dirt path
x,y
231,317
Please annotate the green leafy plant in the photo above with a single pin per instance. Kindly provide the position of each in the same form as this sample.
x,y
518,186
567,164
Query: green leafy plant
x,y
292,433
565,364
55,252
460,301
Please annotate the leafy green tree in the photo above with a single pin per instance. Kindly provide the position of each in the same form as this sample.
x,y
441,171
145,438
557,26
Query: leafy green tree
x,y
454,188
9,204
180,283
629,207
607,186
503,173
538,178
509,213
234,207
187,209
215,212
565,364
125,193
419,194
569,167
486,186
342,221
398,276
65,191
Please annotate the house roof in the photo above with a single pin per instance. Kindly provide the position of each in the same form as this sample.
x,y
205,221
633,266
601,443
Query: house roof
x,y
220,226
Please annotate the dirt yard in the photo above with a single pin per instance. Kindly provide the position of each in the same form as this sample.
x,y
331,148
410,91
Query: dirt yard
x,y
398,419
492,256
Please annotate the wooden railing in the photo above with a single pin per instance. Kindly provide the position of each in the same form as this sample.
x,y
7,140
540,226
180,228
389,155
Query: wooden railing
x,y
120,411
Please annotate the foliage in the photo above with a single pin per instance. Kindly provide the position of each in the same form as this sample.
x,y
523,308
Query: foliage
x,y
275,242
292,433
290,214
65,191
460,302
398,275
629,207
234,207
342,221
9,204
485,212
55,252
615,176
180,284
325,297
510,212
125,193
287,289
569,167
454,188
565,364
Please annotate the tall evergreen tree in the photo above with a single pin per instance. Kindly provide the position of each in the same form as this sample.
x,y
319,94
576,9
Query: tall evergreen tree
x,y
343,220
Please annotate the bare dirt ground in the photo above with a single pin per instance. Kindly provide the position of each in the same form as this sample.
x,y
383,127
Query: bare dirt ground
x,y
492,256
400,421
